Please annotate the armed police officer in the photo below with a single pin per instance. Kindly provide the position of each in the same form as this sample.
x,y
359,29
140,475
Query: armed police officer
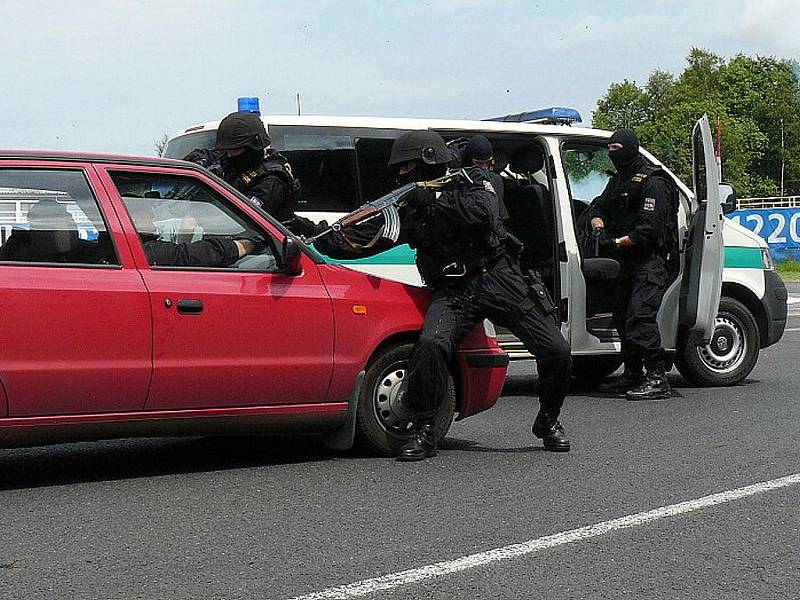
x,y
461,256
243,158
637,215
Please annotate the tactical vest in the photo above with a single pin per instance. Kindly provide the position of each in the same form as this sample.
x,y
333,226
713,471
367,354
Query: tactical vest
x,y
439,243
274,164
630,199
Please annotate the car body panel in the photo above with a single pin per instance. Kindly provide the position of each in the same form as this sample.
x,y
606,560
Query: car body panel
x,y
262,362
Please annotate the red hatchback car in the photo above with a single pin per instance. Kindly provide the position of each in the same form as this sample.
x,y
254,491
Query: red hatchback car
x,y
101,340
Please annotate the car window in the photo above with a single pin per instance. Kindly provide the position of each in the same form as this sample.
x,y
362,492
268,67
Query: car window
x,y
51,216
180,210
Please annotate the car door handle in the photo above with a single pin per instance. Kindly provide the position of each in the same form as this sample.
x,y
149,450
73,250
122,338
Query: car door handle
x,y
190,307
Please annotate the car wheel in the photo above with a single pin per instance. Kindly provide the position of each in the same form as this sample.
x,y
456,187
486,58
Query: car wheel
x,y
730,355
382,422
590,369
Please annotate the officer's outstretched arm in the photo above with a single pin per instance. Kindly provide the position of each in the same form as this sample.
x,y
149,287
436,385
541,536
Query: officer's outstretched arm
x,y
359,241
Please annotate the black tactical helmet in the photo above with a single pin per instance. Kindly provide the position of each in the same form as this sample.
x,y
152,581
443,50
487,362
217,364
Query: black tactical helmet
x,y
241,130
427,146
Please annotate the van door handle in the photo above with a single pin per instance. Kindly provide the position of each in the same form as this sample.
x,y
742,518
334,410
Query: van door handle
x,y
190,307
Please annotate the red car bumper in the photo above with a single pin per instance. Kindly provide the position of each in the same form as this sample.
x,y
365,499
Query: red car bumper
x,y
482,366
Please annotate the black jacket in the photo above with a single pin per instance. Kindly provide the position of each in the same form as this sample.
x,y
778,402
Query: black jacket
x,y
642,206
459,225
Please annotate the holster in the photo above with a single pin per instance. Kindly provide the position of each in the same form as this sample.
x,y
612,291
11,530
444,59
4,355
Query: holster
x,y
538,296
539,292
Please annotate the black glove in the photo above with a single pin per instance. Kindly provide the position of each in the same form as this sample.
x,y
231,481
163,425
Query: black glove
x,y
420,198
603,239
306,227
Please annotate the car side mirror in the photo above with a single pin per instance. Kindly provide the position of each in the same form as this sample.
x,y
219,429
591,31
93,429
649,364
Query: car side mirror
x,y
727,197
290,256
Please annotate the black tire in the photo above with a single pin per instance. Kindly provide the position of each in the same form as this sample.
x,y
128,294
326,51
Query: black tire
x,y
731,354
591,369
381,425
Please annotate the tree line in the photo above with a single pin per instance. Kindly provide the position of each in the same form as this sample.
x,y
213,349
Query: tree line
x,y
757,102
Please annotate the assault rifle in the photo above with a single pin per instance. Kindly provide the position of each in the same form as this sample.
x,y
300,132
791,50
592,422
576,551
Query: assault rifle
x,y
388,206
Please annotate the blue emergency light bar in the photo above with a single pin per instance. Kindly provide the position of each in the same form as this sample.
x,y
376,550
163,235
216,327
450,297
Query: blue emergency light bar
x,y
248,104
556,115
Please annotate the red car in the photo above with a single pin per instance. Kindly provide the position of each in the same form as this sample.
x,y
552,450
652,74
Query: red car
x,y
113,326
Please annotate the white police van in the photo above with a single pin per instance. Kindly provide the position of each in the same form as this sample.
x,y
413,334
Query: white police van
x,y
727,304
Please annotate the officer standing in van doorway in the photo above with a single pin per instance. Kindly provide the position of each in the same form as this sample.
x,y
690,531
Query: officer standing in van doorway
x,y
637,215
242,157
461,256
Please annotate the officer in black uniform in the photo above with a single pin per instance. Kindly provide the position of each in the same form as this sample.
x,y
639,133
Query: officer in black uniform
x,y
637,215
461,256
479,153
242,157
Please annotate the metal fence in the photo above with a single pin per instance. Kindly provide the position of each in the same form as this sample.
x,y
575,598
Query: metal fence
x,y
772,202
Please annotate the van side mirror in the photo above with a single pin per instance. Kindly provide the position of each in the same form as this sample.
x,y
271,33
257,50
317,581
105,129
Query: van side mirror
x,y
727,197
290,256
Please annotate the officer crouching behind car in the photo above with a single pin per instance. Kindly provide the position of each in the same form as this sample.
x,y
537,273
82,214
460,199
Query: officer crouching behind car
x,y
461,257
637,215
242,157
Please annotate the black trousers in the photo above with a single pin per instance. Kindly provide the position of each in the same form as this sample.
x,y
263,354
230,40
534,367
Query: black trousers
x,y
640,289
454,311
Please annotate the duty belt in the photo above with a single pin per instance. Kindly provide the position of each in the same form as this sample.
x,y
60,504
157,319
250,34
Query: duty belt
x,y
458,269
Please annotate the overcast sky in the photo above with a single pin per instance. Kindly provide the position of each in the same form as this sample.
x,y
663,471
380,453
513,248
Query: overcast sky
x,y
116,75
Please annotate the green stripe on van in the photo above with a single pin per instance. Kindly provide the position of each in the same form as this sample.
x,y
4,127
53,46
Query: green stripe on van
x,y
737,257
399,255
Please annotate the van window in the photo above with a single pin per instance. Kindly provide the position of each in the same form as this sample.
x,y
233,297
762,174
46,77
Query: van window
x,y
324,160
587,166
180,146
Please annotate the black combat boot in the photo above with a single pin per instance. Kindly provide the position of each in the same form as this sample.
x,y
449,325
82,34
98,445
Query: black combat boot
x,y
622,383
422,444
654,387
551,431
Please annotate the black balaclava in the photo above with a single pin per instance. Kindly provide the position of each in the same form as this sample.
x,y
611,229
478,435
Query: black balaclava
x,y
626,157
234,166
422,172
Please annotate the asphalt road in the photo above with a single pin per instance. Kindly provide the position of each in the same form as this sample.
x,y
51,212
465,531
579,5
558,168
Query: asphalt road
x,y
252,518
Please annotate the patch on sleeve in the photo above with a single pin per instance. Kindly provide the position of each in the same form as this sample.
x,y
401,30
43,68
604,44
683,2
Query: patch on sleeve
x,y
487,185
649,204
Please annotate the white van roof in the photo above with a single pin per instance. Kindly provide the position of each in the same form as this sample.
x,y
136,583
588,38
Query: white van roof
x,y
405,124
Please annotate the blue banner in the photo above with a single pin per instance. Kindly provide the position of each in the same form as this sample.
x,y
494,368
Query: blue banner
x,y
780,228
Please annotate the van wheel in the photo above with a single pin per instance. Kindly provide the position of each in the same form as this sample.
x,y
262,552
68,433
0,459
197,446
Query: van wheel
x,y
382,423
731,354
591,369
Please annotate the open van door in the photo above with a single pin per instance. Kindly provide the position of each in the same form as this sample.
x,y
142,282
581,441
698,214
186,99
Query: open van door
x,y
702,275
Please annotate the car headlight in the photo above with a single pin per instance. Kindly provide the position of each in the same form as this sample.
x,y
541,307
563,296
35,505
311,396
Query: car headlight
x,y
766,260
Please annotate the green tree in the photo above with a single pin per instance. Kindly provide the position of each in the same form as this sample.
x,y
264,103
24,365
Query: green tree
x,y
756,100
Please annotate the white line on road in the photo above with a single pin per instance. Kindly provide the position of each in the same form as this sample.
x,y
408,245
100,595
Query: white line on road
x,y
791,329
394,580
793,300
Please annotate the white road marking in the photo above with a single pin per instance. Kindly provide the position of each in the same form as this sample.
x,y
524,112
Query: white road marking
x,y
440,569
793,300
791,329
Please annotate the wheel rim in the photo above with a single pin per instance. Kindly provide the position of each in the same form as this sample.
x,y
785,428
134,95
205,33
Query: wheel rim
x,y
387,404
727,348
